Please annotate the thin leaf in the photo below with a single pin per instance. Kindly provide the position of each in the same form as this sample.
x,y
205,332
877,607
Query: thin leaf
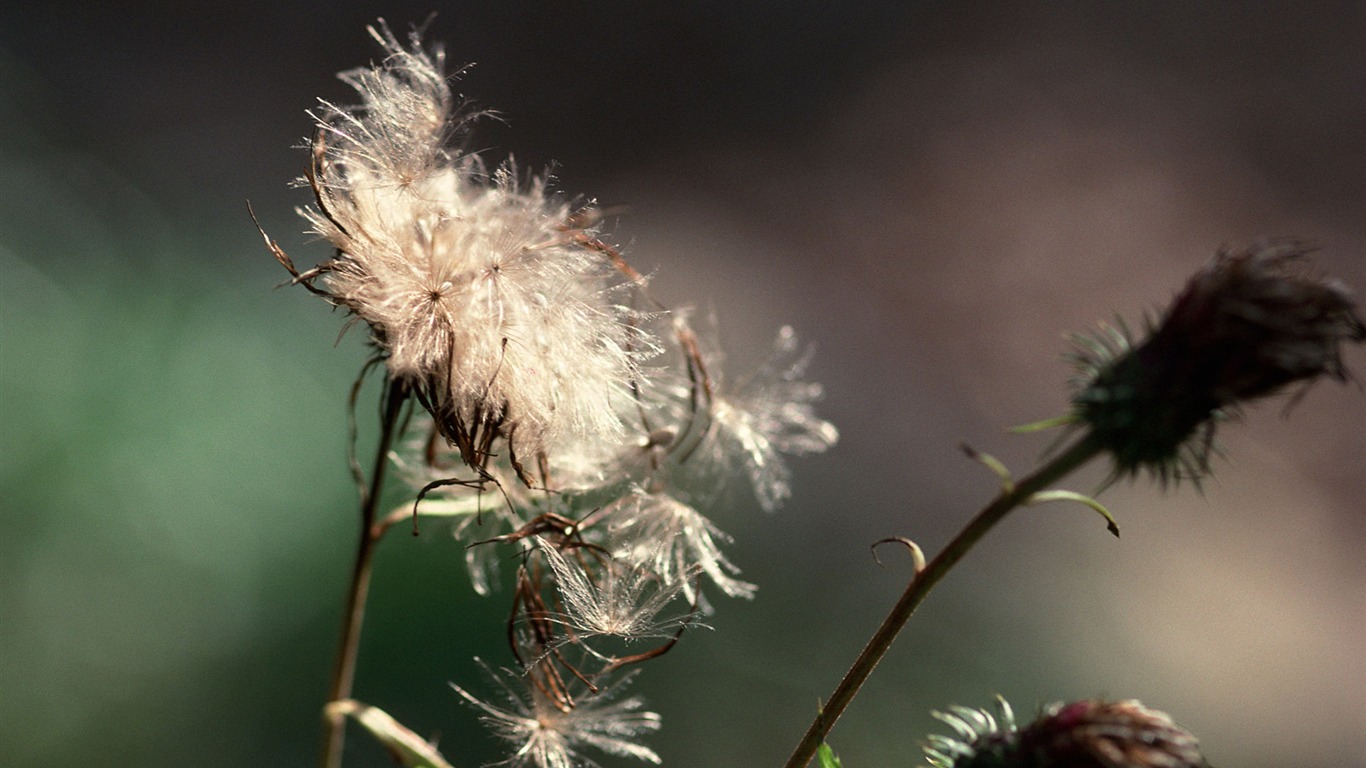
x,y
1045,496
992,463
1044,424
407,748
464,506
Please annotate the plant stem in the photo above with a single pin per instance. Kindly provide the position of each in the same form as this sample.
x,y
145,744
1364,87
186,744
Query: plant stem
x,y
1077,454
344,671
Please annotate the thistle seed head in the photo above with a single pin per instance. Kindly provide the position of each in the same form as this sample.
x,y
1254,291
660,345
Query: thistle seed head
x,y
487,296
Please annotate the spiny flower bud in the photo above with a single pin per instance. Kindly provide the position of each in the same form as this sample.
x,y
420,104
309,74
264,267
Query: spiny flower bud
x,y
1246,326
1100,734
1090,733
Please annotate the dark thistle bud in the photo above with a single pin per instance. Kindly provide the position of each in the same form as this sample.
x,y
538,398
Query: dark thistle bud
x,y
1100,734
1081,734
1244,327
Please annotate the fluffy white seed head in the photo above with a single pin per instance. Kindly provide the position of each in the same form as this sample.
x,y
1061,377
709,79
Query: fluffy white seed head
x,y
485,293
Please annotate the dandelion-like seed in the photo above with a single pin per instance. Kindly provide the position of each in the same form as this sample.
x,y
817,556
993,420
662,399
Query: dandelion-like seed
x,y
771,414
1246,326
761,417
545,734
488,298
672,540
619,599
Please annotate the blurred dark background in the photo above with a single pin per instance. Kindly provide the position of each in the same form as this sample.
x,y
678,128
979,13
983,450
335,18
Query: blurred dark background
x,y
932,193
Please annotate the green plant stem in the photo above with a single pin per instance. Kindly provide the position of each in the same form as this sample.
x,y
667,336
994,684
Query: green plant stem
x,y
1077,454
344,670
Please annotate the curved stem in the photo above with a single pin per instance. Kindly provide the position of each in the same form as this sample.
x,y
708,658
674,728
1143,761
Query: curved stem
x,y
1076,455
344,670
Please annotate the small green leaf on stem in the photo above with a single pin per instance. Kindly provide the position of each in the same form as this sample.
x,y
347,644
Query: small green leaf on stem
x,y
827,757
407,748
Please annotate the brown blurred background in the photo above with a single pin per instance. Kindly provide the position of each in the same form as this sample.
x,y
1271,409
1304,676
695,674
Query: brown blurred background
x,y
932,193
